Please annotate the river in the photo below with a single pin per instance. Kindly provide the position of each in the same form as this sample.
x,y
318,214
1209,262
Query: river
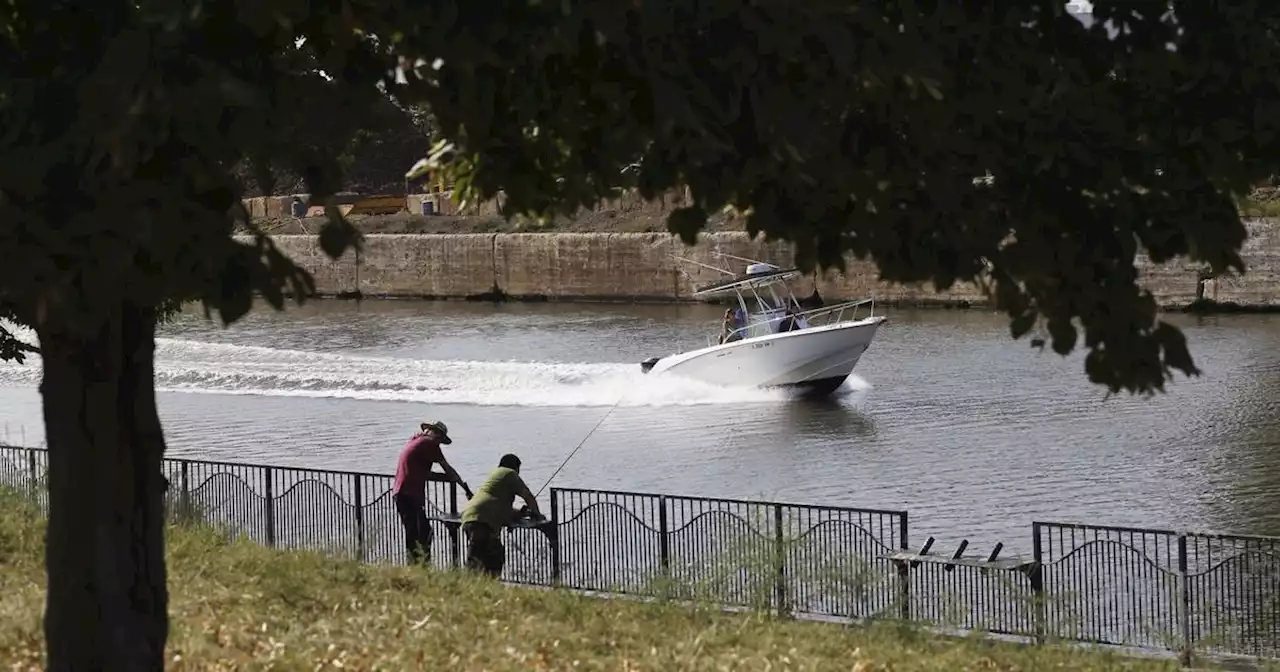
x,y
974,434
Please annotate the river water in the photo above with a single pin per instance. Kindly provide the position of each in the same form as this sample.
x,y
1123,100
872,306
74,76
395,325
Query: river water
x,y
974,434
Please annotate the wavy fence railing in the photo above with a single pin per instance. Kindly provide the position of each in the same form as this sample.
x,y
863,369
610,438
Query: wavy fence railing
x,y
349,514
1133,587
1183,591
793,558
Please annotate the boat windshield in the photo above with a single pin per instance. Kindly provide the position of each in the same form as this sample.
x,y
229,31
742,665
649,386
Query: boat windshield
x,y
762,310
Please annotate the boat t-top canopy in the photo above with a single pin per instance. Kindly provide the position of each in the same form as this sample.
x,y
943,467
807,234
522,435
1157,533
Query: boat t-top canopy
x,y
754,277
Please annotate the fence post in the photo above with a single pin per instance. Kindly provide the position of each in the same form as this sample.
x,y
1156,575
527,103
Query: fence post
x,y
664,542
904,589
665,587
454,530
780,558
555,538
1186,655
1035,576
31,469
269,506
184,495
904,572
358,495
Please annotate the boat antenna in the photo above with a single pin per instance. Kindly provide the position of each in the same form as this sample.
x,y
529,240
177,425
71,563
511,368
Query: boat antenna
x,y
749,261
693,282
699,263
581,443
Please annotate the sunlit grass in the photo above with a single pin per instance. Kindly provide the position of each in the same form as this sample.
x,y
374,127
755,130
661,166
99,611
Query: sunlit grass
x,y
237,605
1260,203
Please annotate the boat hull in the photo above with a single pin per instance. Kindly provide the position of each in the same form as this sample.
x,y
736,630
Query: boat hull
x,y
814,361
813,389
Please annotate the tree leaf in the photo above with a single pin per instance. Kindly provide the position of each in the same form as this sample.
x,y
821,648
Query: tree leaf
x,y
234,298
1063,334
1022,324
337,234
687,222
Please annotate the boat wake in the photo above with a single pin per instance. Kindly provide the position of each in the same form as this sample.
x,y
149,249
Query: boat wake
x,y
213,368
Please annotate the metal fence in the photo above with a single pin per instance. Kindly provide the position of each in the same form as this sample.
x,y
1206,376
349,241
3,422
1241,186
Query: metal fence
x,y
793,558
1183,592
345,513
1213,593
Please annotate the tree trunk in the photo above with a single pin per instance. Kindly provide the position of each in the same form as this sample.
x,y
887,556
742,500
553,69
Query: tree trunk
x,y
107,604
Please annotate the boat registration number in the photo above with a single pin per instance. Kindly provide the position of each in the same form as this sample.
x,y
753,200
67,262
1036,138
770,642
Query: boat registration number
x,y
766,344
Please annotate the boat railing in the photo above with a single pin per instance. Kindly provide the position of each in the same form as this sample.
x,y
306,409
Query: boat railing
x,y
838,310
767,321
753,328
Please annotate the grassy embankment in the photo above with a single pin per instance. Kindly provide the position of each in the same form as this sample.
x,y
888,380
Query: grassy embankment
x,y
237,605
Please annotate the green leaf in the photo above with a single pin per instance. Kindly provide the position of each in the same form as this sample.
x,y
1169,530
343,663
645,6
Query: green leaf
x,y
1063,334
13,349
419,170
1176,353
1022,324
337,234
234,298
687,222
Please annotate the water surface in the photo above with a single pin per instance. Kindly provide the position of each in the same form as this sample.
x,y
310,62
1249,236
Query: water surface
x,y
975,434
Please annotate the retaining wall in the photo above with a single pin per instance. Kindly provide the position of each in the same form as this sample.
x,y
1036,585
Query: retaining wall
x,y
639,266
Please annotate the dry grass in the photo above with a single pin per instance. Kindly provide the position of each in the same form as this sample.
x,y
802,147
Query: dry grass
x,y
1261,203
236,605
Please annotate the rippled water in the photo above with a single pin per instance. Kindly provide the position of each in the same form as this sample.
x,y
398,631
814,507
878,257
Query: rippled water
x,y
974,434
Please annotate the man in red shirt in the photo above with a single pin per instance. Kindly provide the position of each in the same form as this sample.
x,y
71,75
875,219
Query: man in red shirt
x,y
409,492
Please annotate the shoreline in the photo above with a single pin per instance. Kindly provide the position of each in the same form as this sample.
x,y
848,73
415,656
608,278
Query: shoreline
x,y
498,298
1207,307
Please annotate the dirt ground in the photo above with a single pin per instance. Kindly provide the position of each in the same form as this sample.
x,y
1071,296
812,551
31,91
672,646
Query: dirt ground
x,y
629,218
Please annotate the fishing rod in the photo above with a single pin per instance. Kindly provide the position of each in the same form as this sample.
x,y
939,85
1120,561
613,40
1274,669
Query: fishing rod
x,y
581,443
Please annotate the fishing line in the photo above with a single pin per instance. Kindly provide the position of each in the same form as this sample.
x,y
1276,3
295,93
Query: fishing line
x,y
581,443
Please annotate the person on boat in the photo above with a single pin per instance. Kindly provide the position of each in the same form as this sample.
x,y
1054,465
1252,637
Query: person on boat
x,y
409,492
800,321
489,511
812,301
732,326
792,321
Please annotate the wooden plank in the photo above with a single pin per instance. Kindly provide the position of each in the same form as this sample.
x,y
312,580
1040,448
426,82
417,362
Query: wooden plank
x,y
1012,562
378,205
318,210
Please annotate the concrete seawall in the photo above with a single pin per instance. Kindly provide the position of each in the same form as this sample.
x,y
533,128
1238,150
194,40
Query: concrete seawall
x,y
639,267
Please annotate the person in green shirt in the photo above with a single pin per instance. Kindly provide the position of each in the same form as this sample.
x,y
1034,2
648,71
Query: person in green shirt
x,y
489,511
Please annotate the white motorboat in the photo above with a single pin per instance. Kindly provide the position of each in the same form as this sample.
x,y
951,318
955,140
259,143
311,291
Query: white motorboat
x,y
774,342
